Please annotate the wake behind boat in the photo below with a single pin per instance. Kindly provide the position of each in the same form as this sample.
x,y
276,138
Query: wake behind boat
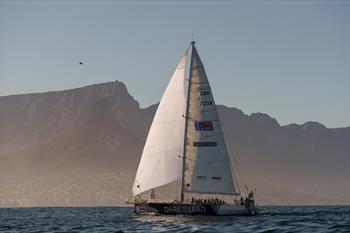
x,y
186,143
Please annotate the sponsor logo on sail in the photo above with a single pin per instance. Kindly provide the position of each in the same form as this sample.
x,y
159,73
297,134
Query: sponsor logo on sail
x,y
201,177
204,144
203,125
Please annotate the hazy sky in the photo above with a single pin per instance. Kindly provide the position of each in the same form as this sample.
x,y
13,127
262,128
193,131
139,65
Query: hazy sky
x,y
289,59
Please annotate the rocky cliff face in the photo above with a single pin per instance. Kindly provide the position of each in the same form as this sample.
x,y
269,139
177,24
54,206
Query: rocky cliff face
x,y
52,143
30,118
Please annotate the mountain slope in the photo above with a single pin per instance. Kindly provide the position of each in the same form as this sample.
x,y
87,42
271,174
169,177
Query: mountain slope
x,y
97,144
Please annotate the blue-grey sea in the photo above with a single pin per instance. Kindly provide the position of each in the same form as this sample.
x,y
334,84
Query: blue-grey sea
x,y
117,219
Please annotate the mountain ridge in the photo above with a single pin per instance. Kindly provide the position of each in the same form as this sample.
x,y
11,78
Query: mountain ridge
x,y
146,107
99,130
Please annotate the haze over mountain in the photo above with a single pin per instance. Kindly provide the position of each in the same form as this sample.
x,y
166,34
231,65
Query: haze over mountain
x,y
82,147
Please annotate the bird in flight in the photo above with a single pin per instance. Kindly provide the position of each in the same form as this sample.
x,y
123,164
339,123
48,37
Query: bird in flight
x,y
80,63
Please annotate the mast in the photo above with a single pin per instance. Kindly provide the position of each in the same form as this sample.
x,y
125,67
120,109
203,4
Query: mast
x,y
186,122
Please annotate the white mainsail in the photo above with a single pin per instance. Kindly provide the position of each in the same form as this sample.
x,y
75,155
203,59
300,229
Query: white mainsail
x,y
207,164
161,161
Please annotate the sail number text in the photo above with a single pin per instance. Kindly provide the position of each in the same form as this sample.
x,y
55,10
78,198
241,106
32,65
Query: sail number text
x,y
206,103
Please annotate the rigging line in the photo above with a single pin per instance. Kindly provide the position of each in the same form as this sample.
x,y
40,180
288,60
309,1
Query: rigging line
x,y
239,174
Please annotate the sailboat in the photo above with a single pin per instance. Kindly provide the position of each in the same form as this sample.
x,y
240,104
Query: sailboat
x,y
185,144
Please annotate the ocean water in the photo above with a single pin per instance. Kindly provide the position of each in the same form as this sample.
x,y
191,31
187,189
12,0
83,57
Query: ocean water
x,y
117,219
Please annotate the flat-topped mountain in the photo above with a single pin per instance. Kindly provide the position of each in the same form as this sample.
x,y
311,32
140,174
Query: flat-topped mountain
x,y
82,147
29,118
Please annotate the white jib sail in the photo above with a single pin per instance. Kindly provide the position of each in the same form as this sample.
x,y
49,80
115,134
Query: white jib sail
x,y
207,164
161,161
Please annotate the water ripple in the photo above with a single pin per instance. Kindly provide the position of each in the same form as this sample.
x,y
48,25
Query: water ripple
x,y
114,219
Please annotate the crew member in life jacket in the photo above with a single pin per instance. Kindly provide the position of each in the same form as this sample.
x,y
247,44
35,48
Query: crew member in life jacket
x,y
241,201
250,198
152,195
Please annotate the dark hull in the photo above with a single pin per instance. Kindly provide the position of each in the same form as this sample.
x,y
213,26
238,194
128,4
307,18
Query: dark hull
x,y
193,209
